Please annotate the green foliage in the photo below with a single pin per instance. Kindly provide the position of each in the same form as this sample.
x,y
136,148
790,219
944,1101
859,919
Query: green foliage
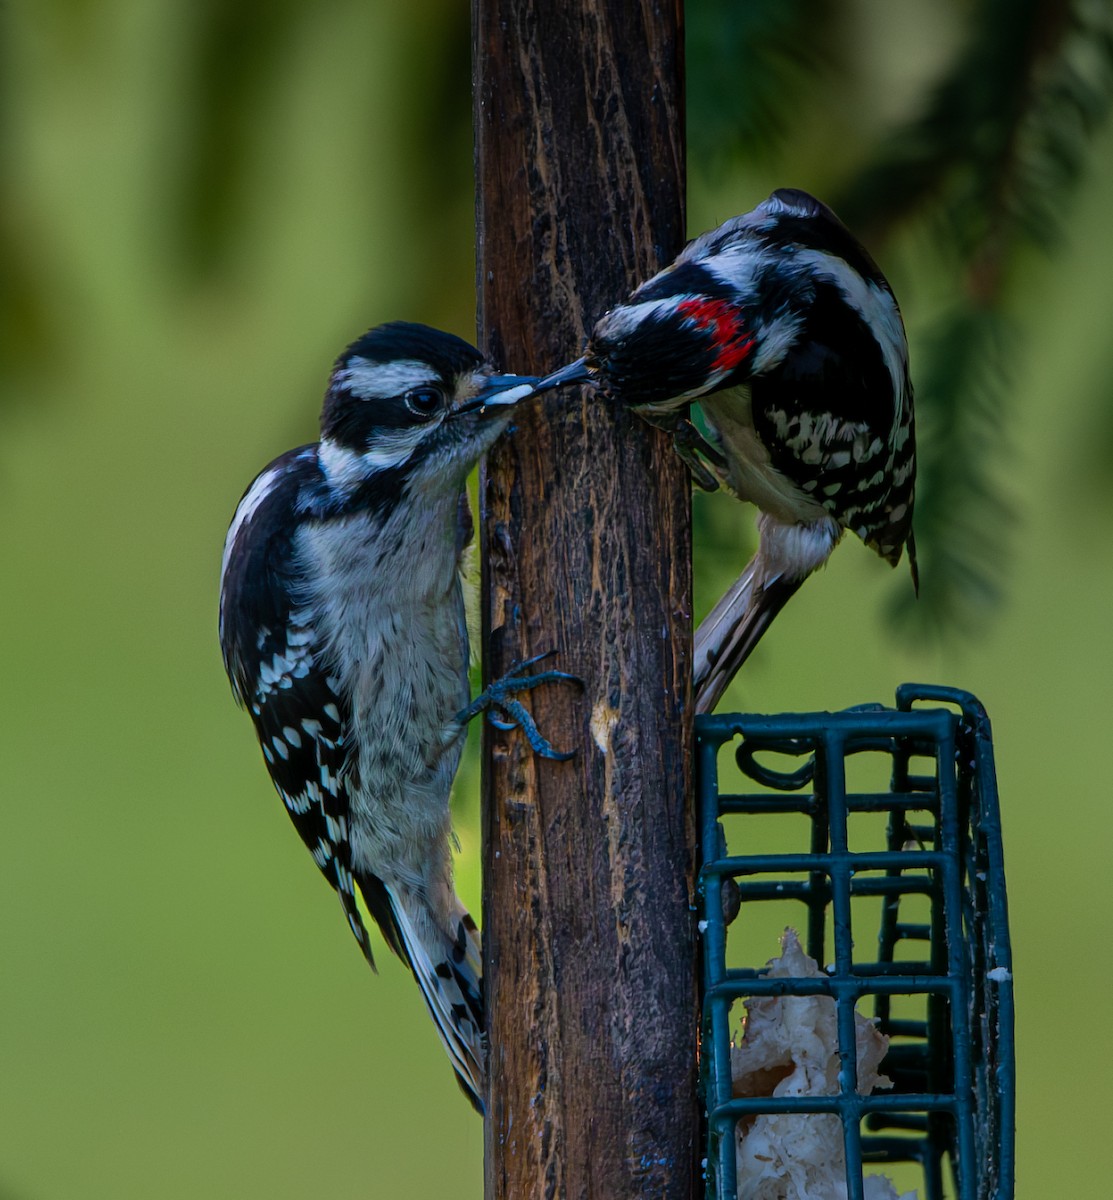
x,y
983,168
989,164
961,513
234,55
752,68
1002,135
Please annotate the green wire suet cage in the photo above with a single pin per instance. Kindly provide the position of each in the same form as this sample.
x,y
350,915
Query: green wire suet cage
x,y
897,888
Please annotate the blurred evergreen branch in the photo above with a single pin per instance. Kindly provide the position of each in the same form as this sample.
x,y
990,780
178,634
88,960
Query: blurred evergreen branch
x,y
25,333
25,328
235,57
989,165
963,517
752,68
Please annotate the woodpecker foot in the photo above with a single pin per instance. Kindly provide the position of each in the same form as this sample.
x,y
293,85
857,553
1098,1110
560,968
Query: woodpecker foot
x,y
693,449
504,711
690,447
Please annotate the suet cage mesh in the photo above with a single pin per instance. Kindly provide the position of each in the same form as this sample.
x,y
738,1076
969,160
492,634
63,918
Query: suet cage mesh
x,y
875,833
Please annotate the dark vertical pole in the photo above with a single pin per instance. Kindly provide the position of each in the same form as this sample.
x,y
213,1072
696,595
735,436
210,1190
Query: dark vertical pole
x,y
588,931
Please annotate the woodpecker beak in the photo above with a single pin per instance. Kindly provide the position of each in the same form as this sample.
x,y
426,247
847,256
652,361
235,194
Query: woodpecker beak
x,y
503,391
500,391
577,372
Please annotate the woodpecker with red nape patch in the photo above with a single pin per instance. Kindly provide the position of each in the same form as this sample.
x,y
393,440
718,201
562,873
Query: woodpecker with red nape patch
x,y
773,350
343,633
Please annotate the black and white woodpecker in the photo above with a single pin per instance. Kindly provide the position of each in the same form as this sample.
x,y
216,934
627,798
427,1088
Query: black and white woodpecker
x,y
773,349
343,632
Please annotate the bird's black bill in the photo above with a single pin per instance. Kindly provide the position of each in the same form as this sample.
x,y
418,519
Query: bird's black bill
x,y
500,391
503,391
576,372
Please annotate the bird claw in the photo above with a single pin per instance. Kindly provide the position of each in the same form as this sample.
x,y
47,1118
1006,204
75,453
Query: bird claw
x,y
692,449
701,476
505,712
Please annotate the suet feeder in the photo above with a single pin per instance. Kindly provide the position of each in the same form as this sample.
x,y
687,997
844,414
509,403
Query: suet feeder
x,y
876,833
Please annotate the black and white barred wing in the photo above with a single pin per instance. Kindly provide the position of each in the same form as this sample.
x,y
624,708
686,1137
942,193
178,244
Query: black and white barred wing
x,y
274,660
836,410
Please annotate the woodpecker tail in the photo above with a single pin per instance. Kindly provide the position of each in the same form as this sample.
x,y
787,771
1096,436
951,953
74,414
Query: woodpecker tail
x,y
730,631
789,551
447,964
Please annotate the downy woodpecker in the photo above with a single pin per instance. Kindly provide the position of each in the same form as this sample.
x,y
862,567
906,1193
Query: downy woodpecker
x,y
343,633
773,350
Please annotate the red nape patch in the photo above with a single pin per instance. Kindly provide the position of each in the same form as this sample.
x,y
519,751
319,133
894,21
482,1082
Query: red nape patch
x,y
728,334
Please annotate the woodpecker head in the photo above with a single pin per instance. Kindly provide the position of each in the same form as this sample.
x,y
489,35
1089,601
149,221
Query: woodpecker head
x,y
735,304
415,403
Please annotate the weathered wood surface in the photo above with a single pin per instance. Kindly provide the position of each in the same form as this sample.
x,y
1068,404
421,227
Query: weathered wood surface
x,y
588,933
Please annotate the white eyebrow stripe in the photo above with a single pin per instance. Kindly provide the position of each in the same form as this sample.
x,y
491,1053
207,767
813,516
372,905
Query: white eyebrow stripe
x,y
380,381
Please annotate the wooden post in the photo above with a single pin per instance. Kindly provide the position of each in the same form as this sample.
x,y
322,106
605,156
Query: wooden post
x,y
589,939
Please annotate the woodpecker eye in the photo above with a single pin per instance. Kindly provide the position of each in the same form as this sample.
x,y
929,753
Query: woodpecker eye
x,y
424,401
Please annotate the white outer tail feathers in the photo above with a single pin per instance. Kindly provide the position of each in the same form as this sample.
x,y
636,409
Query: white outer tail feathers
x,y
454,993
729,633
787,554
714,634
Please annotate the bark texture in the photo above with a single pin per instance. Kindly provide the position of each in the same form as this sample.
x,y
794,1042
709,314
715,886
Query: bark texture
x,y
589,938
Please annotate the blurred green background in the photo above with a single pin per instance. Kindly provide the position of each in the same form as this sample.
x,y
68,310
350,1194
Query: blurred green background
x,y
202,203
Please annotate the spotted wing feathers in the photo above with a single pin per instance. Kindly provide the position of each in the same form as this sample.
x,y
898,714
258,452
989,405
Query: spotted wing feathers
x,y
274,658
